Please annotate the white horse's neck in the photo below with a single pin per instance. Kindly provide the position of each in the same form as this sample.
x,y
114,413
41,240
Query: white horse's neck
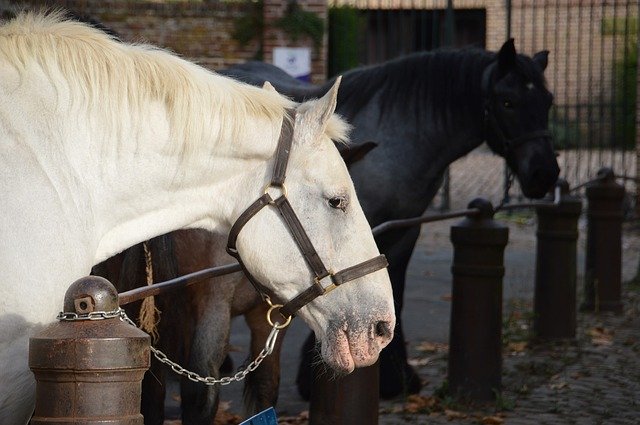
x,y
118,144
146,192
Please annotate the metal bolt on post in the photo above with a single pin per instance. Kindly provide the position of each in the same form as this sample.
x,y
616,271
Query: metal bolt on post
x,y
89,365
475,341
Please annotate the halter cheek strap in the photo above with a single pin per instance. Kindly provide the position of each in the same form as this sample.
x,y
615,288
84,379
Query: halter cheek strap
x,y
313,260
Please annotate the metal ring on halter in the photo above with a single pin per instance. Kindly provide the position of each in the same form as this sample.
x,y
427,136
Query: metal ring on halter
x,y
282,188
273,307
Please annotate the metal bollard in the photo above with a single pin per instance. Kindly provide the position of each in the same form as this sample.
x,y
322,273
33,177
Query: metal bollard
x,y
475,341
603,263
89,371
348,400
556,261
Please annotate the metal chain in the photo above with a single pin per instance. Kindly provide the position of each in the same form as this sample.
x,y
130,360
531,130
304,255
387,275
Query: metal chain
x,y
162,357
510,179
94,315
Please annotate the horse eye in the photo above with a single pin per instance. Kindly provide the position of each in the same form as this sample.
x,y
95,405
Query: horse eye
x,y
338,202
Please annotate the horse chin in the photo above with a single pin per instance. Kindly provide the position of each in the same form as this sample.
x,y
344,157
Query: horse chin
x,y
344,351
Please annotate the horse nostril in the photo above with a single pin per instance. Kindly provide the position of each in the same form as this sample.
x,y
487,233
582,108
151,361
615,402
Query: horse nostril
x,y
383,329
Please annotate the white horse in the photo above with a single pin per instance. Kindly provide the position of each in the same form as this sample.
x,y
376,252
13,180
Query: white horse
x,y
104,145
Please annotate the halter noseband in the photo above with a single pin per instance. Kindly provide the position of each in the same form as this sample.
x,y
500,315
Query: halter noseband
x,y
297,231
508,145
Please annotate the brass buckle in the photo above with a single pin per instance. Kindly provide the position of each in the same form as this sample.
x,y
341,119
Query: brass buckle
x,y
282,187
273,307
328,288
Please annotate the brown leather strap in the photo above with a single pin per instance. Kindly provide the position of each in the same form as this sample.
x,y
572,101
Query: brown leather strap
x,y
343,276
283,149
247,215
300,236
359,270
302,299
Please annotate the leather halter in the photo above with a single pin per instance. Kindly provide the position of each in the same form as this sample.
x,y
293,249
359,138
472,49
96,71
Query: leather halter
x,y
297,231
508,144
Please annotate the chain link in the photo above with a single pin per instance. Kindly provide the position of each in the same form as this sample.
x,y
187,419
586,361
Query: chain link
x,y
94,315
162,357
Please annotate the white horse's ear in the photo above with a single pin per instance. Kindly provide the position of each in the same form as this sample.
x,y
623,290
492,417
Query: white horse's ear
x,y
267,86
316,113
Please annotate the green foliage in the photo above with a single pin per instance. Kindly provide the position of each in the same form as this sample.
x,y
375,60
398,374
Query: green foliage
x,y
297,22
250,25
345,24
626,90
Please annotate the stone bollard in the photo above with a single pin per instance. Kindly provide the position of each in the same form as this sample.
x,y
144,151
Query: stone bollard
x,y
475,341
348,400
556,262
603,263
89,371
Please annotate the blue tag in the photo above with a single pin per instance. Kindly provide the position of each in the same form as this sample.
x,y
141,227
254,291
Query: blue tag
x,y
266,417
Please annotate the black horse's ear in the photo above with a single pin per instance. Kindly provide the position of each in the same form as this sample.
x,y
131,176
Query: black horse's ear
x,y
354,153
507,57
542,59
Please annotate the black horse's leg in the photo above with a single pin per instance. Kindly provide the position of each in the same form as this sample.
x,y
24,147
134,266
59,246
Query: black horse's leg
x,y
261,387
199,401
304,379
396,375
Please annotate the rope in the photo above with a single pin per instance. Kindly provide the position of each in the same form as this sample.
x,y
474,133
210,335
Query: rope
x,y
149,314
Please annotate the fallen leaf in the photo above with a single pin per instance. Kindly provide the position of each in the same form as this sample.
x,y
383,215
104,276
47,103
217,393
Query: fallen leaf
x,y
452,414
432,347
517,347
601,336
492,420
417,403
559,385
417,362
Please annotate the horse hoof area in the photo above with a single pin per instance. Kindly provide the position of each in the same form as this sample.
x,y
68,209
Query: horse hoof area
x,y
393,385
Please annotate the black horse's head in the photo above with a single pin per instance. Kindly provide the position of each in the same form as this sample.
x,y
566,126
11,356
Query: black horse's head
x,y
517,106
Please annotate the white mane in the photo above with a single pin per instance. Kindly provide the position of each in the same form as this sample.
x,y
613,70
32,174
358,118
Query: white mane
x,y
111,76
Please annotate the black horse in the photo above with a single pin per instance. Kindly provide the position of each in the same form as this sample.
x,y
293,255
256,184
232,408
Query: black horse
x,y
424,111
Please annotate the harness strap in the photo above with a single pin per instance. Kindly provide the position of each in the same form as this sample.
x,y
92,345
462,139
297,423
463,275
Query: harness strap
x,y
283,149
337,279
300,236
354,272
246,215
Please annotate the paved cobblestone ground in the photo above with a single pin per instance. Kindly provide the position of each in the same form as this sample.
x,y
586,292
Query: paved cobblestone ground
x,y
592,380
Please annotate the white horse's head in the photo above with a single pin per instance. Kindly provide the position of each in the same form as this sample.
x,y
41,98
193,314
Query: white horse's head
x,y
356,320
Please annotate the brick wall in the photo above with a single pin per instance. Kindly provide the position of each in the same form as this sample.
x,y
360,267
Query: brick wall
x,y
197,30
275,37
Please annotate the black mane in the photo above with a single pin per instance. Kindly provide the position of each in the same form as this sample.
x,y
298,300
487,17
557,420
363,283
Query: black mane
x,y
426,84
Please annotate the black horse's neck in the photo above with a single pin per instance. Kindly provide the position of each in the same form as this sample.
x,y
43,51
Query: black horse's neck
x,y
439,93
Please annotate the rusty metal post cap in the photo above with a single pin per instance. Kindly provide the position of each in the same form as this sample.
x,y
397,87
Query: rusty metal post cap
x,y
606,173
485,207
89,294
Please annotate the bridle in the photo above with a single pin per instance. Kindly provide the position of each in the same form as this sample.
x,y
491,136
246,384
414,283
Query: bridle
x,y
321,273
490,120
